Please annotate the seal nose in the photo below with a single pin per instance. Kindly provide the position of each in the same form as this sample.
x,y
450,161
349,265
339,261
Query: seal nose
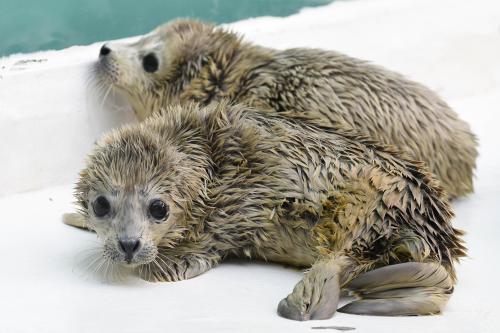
x,y
104,50
129,246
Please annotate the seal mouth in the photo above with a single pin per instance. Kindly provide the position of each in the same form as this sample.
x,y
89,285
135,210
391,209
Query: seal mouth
x,y
133,262
144,257
129,264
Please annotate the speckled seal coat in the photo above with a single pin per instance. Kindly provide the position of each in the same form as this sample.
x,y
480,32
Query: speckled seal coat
x,y
192,61
249,183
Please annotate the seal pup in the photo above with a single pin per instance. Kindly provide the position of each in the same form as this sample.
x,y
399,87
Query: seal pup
x,y
174,195
187,60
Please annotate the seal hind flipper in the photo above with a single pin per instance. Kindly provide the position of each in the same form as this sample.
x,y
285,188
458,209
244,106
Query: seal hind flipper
x,y
404,275
415,301
75,220
401,290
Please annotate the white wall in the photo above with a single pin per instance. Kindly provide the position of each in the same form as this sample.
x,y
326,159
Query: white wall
x,y
48,122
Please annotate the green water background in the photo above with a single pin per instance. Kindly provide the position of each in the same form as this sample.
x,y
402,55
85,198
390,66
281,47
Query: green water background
x,y
32,25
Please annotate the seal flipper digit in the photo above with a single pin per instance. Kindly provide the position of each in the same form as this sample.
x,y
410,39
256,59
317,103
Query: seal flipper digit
x,y
401,290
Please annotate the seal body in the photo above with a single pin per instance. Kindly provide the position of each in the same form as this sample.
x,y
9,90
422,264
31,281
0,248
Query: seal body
x,y
191,61
249,183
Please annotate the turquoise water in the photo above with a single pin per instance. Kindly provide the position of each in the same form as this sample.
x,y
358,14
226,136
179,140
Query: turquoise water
x,y
31,25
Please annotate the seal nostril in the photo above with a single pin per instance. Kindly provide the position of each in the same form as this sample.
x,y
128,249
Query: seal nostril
x,y
122,246
104,50
136,246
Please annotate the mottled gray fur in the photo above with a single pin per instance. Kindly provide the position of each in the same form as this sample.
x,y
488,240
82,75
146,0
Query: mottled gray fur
x,y
202,63
249,183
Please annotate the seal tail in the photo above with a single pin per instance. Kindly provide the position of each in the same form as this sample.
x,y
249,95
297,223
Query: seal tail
x,y
407,289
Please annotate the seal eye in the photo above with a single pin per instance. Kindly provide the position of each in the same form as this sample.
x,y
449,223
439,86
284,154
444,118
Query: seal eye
x,y
150,63
158,210
101,206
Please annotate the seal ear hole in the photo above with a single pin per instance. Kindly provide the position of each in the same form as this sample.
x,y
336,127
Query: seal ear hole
x,y
158,210
101,206
150,63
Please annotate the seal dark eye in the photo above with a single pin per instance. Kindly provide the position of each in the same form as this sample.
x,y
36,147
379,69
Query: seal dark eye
x,y
101,206
150,63
158,210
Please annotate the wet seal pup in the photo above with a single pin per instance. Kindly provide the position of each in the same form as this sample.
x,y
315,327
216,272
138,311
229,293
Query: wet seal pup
x,y
174,195
192,61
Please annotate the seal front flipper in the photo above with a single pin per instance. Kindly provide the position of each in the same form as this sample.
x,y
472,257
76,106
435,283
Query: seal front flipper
x,y
167,269
406,289
187,260
75,220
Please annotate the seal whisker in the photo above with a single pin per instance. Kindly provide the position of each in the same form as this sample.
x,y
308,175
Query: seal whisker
x,y
141,270
161,268
165,263
87,258
103,101
91,267
161,255
107,274
93,259
99,268
150,272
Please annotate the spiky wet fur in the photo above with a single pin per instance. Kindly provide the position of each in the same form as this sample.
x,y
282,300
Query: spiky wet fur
x,y
203,63
260,185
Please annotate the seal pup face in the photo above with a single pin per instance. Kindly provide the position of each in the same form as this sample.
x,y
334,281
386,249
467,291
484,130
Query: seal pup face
x,y
136,193
142,70
131,66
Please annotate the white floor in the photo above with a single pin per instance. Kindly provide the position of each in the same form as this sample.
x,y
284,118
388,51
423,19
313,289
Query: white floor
x,y
452,46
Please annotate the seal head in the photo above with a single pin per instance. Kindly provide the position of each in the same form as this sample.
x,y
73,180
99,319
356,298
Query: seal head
x,y
141,71
135,194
